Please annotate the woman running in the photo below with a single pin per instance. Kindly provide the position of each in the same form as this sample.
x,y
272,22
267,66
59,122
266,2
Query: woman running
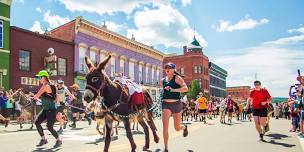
x,y
47,94
173,85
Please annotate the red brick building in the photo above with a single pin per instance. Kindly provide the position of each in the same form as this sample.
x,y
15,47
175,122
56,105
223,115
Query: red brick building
x,y
239,93
27,57
193,64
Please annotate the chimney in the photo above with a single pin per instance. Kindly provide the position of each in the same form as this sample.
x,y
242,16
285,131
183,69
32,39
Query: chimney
x,y
185,50
133,38
104,24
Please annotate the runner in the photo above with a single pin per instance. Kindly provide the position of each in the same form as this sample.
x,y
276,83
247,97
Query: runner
x,y
202,107
230,104
77,104
62,91
173,85
260,98
47,93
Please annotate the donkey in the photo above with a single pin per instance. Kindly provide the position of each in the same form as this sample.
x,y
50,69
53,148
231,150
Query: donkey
x,y
116,104
28,107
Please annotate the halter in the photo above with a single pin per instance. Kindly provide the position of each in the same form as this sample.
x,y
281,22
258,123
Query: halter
x,y
98,91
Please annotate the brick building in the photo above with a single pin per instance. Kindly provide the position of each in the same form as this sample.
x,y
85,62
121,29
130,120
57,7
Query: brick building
x,y
239,93
27,57
193,64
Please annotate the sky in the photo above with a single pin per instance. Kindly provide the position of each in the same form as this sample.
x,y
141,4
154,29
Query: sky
x,y
245,37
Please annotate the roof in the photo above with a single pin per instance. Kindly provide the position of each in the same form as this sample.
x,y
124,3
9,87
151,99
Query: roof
x,y
278,100
40,35
194,44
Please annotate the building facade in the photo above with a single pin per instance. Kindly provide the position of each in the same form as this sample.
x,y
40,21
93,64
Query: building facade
x,y
217,77
239,93
4,43
141,63
32,52
192,64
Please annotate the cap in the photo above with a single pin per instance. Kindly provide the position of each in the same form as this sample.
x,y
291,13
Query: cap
x,y
170,65
60,81
42,73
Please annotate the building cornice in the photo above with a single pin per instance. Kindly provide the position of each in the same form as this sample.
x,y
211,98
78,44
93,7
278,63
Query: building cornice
x,y
4,18
114,38
7,2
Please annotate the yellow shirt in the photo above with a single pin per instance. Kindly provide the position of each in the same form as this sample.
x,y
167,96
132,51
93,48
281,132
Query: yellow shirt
x,y
202,103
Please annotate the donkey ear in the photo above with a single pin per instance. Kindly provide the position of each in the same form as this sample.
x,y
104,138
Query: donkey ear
x,y
89,62
102,65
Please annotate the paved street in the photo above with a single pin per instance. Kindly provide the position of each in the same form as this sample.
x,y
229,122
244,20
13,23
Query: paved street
x,y
213,137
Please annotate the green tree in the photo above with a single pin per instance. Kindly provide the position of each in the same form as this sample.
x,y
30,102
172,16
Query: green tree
x,y
194,89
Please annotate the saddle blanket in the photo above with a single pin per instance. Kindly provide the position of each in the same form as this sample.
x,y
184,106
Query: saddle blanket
x,y
132,86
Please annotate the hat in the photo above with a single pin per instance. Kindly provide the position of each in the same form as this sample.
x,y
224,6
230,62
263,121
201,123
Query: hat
x,y
60,81
170,65
42,73
76,86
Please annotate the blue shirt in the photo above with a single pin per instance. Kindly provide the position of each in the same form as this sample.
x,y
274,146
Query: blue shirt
x,y
2,101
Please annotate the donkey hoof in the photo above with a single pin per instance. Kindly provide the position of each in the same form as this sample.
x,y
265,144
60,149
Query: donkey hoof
x,y
145,148
156,139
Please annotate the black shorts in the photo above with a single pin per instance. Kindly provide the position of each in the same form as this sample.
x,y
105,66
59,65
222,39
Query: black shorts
x,y
260,112
174,107
80,108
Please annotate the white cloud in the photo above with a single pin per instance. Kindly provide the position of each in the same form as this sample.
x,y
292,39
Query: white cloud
x,y
37,27
276,65
38,9
54,20
163,25
116,27
186,2
108,7
243,24
293,40
296,30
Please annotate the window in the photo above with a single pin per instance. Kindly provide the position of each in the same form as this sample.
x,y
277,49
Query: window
x,y
122,66
131,70
199,69
112,67
140,73
93,56
102,57
195,69
24,60
82,54
182,71
200,83
147,74
62,67
1,34
152,76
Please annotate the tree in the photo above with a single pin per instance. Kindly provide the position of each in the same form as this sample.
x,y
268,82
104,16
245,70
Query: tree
x,y
194,89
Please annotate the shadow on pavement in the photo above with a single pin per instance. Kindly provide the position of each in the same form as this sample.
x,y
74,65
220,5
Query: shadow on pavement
x,y
97,141
277,136
46,150
281,144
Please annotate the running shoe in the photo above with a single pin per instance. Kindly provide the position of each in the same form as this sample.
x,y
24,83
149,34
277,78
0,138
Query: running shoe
x,y
6,122
58,143
185,132
42,142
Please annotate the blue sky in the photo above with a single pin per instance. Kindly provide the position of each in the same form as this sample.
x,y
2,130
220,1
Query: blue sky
x,y
243,36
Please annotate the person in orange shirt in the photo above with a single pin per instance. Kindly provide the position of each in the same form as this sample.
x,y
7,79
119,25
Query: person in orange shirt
x,y
202,107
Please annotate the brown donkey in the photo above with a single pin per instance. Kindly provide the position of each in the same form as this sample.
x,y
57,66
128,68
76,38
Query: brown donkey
x,y
116,104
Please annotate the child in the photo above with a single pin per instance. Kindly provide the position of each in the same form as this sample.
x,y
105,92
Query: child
x,y
294,110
